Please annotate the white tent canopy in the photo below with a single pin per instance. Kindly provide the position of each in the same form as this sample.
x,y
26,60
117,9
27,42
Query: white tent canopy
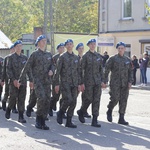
x,y
5,42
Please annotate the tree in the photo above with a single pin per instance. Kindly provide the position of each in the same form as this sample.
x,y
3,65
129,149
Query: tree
x,y
148,12
21,16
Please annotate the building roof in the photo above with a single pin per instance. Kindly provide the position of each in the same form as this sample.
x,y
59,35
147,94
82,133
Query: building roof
x,y
5,42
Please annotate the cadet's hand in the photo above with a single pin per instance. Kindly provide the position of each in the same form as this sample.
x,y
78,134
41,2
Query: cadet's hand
x,y
50,73
82,87
79,88
15,83
31,85
103,85
129,85
57,89
2,84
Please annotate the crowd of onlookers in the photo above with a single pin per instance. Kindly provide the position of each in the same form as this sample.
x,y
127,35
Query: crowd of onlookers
x,y
141,64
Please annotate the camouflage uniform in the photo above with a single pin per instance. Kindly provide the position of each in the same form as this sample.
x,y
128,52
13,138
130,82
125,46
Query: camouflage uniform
x,y
5,79
14,67
121,74
32,99
92,76
1,64
56,96
40,63
67,74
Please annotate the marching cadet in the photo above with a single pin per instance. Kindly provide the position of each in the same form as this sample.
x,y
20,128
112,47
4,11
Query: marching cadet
x,y
16,62
55,96
40,63
1,85
80,49
6,81
92,78
120,82
32,102
68,75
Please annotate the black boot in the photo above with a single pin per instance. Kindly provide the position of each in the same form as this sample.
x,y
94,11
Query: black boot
x,y
94,122
4,105
121,120
86,115
69,123
7,114
60,116
38,122
21,118
50,112
28,111
81,116
14,110
109,115
44,126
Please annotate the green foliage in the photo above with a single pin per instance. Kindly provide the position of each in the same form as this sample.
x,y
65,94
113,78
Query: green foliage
x,y
148,12
21,16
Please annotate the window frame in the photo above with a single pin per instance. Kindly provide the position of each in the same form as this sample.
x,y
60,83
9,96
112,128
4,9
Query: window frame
x,y
126,18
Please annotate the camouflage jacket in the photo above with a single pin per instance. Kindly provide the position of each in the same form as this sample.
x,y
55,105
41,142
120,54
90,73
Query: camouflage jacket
x,y
92,71
4,74
14,67
39,64
68,70
1,67
121,70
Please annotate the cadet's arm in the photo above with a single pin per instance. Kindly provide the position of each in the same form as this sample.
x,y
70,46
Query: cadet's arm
x,y
57,74
108,66
9,69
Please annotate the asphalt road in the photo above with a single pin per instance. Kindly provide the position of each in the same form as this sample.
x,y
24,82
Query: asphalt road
x,y
111,136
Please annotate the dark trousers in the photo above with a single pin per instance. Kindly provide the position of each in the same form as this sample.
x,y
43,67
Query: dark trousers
x,y
1,90
134,76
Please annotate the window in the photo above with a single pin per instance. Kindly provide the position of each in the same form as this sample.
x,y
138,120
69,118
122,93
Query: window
x,y
127,9
128,50
148,3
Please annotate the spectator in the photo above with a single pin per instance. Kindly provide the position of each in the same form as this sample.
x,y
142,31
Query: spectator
x,y
143,67
105,57
135,67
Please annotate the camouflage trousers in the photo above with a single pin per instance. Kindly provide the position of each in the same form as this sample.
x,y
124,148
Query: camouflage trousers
x,y
43,93
17,96
92,95
6,94
55,97
32,99
69,96
1,90
118,94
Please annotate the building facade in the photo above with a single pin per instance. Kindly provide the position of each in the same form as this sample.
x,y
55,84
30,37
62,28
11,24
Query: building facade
x,y
125,20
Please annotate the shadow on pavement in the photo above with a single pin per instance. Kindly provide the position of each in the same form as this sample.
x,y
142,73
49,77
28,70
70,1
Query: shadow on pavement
x,y
110,135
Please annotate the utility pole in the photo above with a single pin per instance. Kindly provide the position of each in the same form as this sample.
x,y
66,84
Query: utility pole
x,y
51,27
48,16
45,17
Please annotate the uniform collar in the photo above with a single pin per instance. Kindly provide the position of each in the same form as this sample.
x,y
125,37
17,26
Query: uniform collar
x,y
69,53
